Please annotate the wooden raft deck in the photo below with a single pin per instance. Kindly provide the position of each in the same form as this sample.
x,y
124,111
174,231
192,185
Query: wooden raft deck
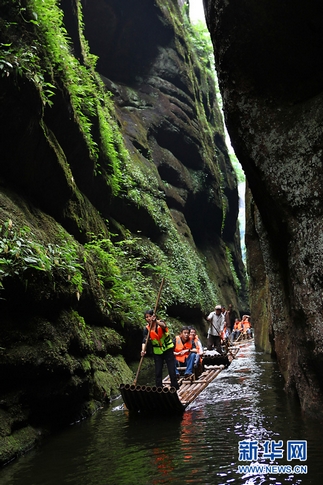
x,y
166,400
191,388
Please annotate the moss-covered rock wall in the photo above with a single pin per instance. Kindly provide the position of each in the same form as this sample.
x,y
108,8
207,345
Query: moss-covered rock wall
x,y
113,174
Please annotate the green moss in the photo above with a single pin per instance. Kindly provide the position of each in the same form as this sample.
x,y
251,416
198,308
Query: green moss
x,y
109,373
107,338
86,365
237,168
82,332
17,443
232,268
5,425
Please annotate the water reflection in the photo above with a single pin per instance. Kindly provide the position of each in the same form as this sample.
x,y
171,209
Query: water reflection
x,y
245,402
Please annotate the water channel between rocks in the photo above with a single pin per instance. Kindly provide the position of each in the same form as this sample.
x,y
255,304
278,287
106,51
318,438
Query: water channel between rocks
x,y
246,402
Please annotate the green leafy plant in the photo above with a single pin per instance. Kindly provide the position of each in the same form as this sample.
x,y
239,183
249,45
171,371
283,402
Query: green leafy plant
x,y
201,40
126,291
36,45
237,168
88,96
20,251
236,280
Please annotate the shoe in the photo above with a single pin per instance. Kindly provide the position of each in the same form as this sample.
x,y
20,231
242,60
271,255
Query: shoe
x,y
188,376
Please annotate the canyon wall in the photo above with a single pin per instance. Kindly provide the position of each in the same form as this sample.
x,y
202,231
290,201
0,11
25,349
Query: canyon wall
x,y
113,174
268,58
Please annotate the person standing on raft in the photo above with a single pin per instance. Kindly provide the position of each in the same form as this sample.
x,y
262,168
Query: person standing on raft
x,y
216,320
163,347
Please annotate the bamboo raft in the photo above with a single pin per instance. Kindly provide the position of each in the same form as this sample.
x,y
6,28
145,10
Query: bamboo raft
x,y
240,341
166,400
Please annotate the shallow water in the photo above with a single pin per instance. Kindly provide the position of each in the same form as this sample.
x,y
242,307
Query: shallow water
x,y
245,402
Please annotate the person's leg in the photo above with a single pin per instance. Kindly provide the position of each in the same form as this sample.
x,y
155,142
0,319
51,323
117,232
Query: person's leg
x,y
171,366
210,342
177,364
189,364
217,344
158,369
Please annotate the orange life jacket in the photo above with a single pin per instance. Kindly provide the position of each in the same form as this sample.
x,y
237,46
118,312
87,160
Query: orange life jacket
x,y
180,346
197,343
238,326
198,346
246,325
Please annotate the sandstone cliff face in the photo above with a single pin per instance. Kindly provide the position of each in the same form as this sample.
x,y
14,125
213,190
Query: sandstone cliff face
x,y
270,67
166,106
105,188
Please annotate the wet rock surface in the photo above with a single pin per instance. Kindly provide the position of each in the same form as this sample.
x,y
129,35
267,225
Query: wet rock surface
x,y
269,63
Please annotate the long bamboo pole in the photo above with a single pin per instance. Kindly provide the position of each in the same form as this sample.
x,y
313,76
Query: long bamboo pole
x,y
147,339
240,335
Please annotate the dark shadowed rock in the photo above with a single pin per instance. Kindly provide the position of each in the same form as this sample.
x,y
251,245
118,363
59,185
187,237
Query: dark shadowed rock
x,y
269,61
168,110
